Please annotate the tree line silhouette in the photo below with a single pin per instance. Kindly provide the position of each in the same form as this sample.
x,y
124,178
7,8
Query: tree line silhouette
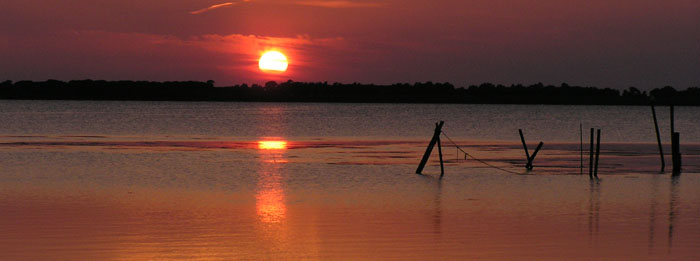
x,y
290,91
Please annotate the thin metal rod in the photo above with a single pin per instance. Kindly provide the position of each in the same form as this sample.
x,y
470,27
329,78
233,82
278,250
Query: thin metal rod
x,y
590,158
597,155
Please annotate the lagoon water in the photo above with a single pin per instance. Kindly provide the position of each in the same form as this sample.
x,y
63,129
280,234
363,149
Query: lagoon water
x,y
218,181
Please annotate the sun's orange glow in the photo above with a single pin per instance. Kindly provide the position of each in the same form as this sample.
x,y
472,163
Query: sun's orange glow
x,y
272,145
273,61
270,204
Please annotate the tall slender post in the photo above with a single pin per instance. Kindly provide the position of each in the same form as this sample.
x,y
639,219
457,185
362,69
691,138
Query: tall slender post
x,y
658,139
442,167
674,156
590,158
676,150
597,155
580,128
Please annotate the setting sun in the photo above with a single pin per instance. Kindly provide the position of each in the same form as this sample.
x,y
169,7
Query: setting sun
x,y
273,61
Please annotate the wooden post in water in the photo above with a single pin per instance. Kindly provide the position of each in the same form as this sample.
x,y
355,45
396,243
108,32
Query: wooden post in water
x,y
442,168
431,145
676,151
590,158
597,155
675,146
534,154
528,165
580,128
530,158
658,139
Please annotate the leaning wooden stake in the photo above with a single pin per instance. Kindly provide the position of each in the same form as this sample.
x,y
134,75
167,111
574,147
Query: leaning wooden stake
x,y
534,154
597,155
442,167
431,145
590,158
658,139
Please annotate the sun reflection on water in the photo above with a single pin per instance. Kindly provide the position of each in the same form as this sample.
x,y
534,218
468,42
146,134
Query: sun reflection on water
x,y
272,145
270,205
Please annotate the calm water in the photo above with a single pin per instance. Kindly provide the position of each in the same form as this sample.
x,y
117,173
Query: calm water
x,y
220,181
297,121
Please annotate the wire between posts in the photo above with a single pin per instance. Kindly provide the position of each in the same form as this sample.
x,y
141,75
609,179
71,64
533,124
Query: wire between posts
x,y
472,156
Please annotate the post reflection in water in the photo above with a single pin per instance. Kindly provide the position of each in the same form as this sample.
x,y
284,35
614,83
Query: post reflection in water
x,y
437,217
652,211
672,211
436,202
594,210
270,205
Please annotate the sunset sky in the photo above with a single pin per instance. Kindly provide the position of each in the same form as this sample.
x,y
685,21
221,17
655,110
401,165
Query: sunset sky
x,y
607,43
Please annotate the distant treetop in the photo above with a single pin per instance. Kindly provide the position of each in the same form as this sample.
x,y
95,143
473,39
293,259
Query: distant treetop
x,y
291,91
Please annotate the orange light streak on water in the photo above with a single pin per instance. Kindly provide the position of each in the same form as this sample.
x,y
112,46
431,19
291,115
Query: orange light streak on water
x,y
270,198
272,145
270,205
